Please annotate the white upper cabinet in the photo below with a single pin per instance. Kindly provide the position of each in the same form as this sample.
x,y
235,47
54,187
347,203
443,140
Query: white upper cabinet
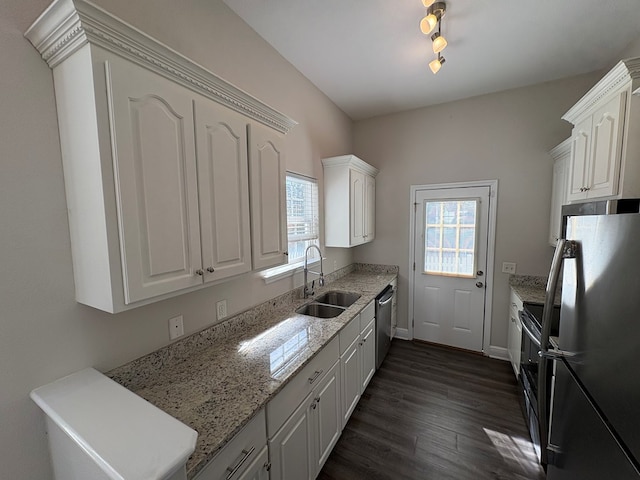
x,y
349,201
268,172
155,181
155,158
561,157
221,140
605,142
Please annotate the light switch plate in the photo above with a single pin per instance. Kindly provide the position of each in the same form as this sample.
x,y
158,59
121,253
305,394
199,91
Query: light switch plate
x,y
509,267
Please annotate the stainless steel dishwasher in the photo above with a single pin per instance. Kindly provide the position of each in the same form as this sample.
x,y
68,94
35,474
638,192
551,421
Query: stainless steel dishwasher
x,y
383,324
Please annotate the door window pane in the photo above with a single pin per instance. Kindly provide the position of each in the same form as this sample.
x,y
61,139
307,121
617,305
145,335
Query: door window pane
x,y
450,237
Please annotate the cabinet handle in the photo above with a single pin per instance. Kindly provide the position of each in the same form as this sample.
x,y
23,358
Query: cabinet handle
x,y
514,305
587,189
210,269
316,374
199,272
315,403
285,253
267,466
234,470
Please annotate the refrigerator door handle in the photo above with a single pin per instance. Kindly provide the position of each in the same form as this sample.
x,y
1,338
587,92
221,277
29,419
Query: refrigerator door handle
x,y
564,249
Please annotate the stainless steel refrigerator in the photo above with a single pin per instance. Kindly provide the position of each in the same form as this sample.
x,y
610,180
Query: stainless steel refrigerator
x,y
594,429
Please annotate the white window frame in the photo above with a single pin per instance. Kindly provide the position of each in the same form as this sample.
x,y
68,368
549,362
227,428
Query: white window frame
x,y
296,265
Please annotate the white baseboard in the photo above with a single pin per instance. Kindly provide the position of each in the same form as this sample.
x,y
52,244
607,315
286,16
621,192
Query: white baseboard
x,y
499,353
402,334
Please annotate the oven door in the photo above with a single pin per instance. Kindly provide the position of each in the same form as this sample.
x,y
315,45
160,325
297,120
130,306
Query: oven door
x,y
529,360
529,355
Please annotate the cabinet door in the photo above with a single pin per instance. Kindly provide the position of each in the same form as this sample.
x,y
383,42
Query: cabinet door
x,y
514,341
327,421
368,354
291,449
350,378
357,190
558,198
606,147
370,208
267,174
580,148
154,159
257,470
223,186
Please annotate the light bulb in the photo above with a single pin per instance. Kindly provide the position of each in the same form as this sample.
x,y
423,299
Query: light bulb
x,y
436,64
428,3
439,42
428,23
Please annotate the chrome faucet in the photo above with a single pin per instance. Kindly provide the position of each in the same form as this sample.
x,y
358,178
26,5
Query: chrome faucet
x,y
306,271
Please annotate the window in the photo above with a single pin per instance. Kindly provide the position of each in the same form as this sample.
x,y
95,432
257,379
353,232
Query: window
x,y
302,223
450,236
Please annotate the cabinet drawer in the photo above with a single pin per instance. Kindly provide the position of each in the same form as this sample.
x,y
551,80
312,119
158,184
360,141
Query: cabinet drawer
x,y
285,402
349,334
239,453
367,314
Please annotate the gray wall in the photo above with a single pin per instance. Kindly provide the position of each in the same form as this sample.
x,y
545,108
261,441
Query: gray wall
x,y
503,136
44,333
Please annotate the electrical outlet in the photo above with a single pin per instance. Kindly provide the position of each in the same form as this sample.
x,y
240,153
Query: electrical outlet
x,y
509,267
221,309
176,327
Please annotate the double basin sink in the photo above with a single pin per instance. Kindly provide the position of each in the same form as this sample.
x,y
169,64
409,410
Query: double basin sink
x,y
329,304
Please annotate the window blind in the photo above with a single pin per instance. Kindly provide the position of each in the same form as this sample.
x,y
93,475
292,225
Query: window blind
x,y
302,215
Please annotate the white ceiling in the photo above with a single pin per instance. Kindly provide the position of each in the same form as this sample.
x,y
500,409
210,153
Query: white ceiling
x,y
370,57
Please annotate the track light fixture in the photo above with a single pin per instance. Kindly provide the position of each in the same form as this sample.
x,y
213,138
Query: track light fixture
x,y
436,65
439,42
433,19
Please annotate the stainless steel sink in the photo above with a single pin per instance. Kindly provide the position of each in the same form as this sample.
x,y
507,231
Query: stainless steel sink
x,y
319,310
340,299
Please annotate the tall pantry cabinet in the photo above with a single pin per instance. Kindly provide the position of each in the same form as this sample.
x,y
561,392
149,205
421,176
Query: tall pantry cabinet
x,y
156,152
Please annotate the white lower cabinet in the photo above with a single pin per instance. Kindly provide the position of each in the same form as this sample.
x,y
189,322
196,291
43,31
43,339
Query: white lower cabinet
x,y
258,469
350,370
299,449
367,345
514,339
244,457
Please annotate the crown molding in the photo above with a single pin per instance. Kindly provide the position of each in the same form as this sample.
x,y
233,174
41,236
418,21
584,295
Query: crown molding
x,y
561,149
67,25
351,161
619,77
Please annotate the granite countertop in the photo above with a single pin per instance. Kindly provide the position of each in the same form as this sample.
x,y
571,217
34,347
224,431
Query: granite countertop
x,y
215,383
532,289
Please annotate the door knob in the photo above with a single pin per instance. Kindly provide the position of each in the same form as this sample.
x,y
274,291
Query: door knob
x,y
479,284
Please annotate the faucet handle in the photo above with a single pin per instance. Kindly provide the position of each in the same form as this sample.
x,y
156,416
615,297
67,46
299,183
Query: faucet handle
x,y
321,281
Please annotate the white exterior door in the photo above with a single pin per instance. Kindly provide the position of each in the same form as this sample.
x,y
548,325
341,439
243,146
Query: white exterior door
x,y
450,258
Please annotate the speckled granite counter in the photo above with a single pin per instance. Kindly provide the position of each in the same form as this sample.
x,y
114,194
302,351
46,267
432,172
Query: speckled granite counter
x,y
216,380
531,288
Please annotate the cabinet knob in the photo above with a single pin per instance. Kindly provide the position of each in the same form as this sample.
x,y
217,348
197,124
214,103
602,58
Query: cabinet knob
x,y
199,272
210,269
285,253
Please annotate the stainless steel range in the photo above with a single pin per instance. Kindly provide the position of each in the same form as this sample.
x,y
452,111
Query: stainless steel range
x,y
531,318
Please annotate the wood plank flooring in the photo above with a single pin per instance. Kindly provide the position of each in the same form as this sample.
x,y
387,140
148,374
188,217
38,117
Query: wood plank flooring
x,y
434,413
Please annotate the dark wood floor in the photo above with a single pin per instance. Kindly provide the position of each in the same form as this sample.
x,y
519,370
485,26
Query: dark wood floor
x,y
434,413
